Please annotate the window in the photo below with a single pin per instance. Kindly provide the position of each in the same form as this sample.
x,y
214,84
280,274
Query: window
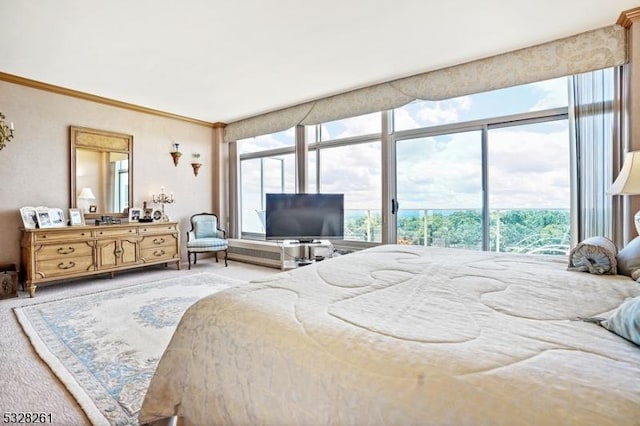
x,y
267,164
355,171
488,171
523,204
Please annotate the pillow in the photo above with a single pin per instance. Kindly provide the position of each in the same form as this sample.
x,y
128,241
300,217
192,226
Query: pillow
x,y
205,228
596,255
629,259
625,321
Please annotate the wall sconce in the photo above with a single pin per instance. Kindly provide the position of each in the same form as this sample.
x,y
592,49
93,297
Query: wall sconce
x,y
176,154
196,164
162,198
6,132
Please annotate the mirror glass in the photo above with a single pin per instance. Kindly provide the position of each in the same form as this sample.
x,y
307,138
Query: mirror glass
x,y
101,171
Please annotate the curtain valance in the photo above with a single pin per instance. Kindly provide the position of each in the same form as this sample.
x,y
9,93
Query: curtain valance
x,y
589,51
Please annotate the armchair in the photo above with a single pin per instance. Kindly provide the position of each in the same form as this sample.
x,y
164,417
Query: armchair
x,y
205,237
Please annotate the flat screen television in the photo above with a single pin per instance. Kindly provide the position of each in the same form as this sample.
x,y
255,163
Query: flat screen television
x,y
304,217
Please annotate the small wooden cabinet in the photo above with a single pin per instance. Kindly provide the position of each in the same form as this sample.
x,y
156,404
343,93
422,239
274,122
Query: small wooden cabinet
x,y
50,254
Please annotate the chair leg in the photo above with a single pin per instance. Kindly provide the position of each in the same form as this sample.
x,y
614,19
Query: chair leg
x,y
195,258
225,258
216,253
189,258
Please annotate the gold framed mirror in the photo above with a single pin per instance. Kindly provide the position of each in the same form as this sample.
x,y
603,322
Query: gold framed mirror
x,y
101,171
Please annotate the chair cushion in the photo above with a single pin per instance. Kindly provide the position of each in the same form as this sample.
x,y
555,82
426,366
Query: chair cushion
x,y
207,243
205,227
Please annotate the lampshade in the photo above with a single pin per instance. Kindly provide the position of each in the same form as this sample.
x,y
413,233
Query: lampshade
x,y
86,194
628,181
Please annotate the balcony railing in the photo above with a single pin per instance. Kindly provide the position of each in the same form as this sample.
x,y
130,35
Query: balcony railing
x,y
544,231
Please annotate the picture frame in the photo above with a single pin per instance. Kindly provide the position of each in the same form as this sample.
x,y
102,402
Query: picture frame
x,y
29,217
157,215
148,213
93,208
76,218
57,217
44,218
135,213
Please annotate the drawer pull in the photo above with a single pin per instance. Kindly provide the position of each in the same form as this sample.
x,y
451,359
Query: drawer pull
x,y
69,250
158,241
159,253
71,265
118,251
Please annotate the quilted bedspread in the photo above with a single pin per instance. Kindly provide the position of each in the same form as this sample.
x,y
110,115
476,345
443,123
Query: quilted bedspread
x,y
403,335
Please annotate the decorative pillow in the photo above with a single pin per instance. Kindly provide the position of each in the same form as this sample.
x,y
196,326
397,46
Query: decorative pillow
x,y
596,255
629,259
205,228
625,321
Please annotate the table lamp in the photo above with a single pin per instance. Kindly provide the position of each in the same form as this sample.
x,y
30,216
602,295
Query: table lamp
x,y
628,180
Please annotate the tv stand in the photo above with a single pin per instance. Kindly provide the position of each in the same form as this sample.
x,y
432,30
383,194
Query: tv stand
x,y
294,253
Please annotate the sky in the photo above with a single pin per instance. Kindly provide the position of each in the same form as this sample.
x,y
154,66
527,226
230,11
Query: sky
x,y
528,164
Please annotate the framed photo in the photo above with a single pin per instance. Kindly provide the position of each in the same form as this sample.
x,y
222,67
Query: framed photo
x,y
44,218
57,217
148,213
76,217
29,217
93,208
156,215
135,213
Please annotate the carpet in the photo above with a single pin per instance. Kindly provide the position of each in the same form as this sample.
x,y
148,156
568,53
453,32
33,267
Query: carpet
x,y
105,346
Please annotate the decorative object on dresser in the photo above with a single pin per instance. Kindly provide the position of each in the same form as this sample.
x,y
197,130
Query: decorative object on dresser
x,y
51,254
76,217
176,154
196,163
6,132
135,213
29,217
162,198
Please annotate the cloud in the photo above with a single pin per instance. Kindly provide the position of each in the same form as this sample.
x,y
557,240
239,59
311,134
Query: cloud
x,y
550,93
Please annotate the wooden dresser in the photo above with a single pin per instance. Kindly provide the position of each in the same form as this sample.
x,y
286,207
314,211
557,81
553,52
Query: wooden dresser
x,y
49,254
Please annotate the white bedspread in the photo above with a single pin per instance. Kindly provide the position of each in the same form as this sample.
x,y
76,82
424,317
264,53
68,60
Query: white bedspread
x,y
403,335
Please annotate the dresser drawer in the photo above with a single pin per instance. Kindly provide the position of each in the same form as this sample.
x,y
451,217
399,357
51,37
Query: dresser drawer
x,y
63,250
63,267
151,241
155,254
158,229
52,235
116,232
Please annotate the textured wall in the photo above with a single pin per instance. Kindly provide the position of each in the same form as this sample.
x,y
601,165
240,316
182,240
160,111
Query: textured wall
x,y
34,167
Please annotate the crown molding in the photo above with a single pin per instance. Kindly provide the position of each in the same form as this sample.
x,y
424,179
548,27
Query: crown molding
x,y
628,17
10,78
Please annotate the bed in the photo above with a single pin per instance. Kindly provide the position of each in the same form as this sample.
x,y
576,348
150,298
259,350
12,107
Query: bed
x,y
404,335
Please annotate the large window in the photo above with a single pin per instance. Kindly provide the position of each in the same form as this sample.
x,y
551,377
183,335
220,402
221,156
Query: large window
x,y
489,171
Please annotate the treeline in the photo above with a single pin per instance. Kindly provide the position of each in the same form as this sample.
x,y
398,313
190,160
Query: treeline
x,y
525,231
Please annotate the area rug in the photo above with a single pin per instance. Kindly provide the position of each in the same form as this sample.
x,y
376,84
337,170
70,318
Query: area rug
x,y
105,346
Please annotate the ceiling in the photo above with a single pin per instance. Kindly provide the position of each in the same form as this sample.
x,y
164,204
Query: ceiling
x,y
216,60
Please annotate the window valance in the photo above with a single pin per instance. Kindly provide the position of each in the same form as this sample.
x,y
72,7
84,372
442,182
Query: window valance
x,y
589,51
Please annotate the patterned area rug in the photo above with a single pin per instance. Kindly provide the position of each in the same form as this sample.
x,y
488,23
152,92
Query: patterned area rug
x,y
105,346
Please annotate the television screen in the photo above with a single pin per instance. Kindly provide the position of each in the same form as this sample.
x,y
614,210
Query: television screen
x,y
304,217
